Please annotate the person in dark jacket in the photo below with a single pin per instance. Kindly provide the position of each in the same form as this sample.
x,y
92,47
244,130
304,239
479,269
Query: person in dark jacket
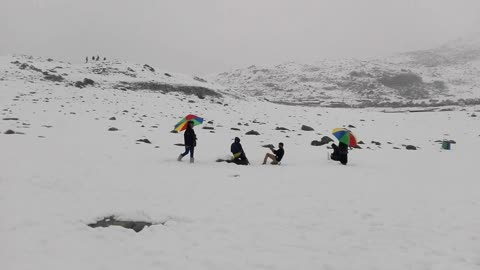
x,y
239,156
277,155
340,153
190,139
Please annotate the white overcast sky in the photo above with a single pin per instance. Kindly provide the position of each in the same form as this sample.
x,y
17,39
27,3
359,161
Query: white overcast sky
x,y
204,36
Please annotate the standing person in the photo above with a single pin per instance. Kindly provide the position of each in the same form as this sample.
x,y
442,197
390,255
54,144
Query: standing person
x,y
239,156
98,57
340,153
277,155
190,139
86,59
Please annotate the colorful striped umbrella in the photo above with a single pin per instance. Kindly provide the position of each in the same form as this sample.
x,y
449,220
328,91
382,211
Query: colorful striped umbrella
x,y
182,125
345,136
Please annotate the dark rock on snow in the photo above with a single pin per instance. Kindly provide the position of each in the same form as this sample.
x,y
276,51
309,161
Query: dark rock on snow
x,y
323,141
113,129
306,128
137,226
209,128
53,77
252,132
84,83
8,132
410,147
112,118
144,141
151,69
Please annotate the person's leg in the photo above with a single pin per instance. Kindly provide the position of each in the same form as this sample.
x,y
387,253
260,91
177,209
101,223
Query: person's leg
x,y
192,159
243,161
344,159
187,149
274,160
265,159
268,155
183,154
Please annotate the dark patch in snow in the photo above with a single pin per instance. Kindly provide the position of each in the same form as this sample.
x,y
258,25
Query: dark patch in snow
x,y
198,91
323,141
252,132
306,128
137,226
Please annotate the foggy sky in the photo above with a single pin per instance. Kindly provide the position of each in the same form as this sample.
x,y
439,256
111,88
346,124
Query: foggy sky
x,y
204,36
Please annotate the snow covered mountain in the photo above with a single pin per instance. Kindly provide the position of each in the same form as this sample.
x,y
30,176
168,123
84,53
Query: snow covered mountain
x,y
114,74
442,76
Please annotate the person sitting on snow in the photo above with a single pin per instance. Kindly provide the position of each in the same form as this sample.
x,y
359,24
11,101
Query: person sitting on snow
x,y
277,155
340,153
239,156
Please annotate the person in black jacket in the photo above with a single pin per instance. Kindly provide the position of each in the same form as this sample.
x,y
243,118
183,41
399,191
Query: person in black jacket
x,y
190,142
277,155
239,156
340,153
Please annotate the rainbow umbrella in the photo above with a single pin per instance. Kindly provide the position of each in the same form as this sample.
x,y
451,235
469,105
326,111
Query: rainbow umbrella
x,y
182,125
345,136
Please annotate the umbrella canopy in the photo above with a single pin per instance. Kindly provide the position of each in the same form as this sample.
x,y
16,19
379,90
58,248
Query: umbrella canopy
x,y
345,136
182,125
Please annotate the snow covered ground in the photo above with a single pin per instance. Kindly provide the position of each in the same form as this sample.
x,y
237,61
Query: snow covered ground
x,y
388,209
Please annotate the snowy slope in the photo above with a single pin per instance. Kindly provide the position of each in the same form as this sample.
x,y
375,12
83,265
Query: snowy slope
x,y
388,209
105,74
441,76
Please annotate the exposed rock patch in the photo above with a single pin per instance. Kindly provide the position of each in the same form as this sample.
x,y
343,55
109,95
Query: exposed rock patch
x,y
323,141
252,132
136,226
306,128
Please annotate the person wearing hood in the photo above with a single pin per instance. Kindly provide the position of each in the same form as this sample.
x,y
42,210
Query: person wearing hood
x,y
190,139
239,156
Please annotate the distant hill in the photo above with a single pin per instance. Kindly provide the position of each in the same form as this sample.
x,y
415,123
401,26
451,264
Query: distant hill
x,y
104,74
446,75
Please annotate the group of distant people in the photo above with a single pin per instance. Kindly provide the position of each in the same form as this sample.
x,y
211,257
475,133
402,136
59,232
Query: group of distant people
x,y
340,152
97,58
